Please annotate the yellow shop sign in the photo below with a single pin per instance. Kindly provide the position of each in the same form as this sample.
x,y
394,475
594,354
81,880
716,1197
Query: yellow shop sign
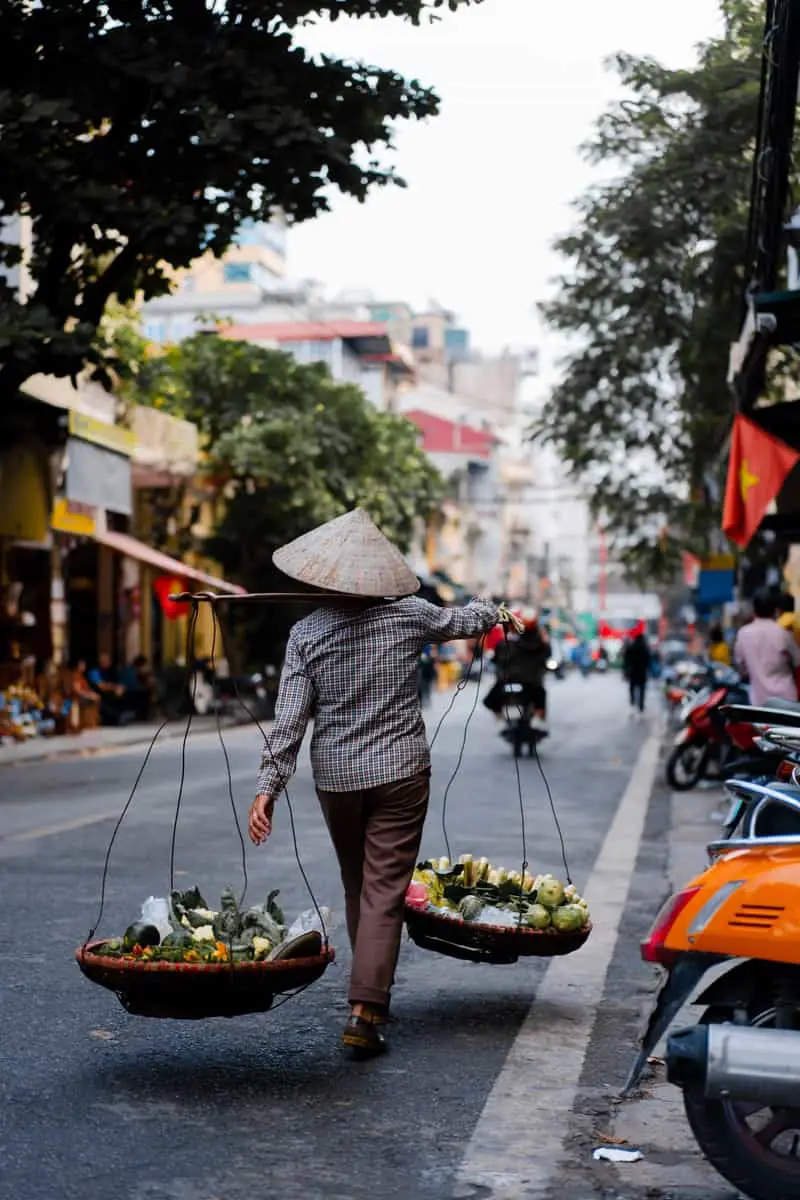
x,y
77,519
110,437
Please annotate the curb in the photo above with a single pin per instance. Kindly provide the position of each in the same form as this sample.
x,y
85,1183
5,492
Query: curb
x,y
74,749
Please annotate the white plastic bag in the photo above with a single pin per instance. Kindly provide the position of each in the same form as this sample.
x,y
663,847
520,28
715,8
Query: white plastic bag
x,y
309,921
155,911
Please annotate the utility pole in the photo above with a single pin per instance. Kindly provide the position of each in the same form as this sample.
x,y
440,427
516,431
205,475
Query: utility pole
x,y
602,581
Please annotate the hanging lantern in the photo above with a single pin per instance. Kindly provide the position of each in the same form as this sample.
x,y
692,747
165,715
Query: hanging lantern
x,y
164,586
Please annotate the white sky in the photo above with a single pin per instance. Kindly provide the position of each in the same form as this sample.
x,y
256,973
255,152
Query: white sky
x,y
491,179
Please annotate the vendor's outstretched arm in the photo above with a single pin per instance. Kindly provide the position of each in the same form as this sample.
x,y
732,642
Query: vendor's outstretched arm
x,y
292,711
450,624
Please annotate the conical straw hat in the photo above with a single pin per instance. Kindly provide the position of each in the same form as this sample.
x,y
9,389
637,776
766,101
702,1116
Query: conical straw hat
x,y
348,555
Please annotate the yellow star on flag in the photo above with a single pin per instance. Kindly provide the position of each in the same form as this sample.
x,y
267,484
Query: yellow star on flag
x,y
746,479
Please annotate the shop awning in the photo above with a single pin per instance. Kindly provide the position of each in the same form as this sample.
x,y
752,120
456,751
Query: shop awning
x,y
130,547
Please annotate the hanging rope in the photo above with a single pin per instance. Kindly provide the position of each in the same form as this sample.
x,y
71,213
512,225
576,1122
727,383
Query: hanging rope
x,y
135,788
462,683
283,787
478,646
191,627
523,716
215,628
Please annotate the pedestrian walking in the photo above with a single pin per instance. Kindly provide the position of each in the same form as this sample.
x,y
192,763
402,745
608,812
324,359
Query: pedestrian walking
x,y
767,655
636,665
353,668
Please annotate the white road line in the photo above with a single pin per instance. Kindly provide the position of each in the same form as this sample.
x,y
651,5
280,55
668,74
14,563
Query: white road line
x,y
518,1143
29,835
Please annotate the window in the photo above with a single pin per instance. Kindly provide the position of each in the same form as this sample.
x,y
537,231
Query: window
x,y
155,331
310,352
320,351
236,272
456,343
420,337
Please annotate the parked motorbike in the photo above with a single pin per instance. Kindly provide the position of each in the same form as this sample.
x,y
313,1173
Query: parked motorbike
x,y
757,757
702,746
739,1066
682,682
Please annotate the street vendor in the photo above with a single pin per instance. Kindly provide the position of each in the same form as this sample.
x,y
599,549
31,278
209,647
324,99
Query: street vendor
x,y
352,668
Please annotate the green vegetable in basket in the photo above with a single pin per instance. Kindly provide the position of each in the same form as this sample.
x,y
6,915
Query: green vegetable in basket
x,y
273,909
179,939
538,917
550,891
569,918
113,946
258,921
470,908
228,921
192,898
140,934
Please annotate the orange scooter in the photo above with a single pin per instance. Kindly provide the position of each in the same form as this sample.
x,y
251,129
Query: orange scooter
x,y
739,1068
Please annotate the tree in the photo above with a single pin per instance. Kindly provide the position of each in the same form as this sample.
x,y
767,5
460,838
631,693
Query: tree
x,y
653,297
136,134
286,446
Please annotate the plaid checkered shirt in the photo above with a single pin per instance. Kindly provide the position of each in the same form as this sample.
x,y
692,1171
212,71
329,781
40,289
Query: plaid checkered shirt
x,y
355,675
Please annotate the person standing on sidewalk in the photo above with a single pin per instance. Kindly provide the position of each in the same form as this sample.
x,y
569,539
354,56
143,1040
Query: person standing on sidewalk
x,y
353,669
767,655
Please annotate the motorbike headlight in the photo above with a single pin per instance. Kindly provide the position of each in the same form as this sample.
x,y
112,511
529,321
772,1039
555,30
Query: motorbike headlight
x,y
552,664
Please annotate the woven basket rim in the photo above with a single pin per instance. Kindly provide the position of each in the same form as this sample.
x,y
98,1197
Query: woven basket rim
x,y
85,954
505,930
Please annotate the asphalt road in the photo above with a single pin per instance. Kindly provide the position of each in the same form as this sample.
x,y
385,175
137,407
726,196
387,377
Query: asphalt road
x,y
480,1086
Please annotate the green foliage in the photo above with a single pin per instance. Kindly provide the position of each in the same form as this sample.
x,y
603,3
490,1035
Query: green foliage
x,y
139,133
289,446
653,295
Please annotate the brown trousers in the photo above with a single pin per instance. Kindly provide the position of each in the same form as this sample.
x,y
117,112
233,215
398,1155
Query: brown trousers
x,y
376,835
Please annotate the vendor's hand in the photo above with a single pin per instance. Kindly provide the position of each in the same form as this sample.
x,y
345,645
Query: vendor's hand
x,y
508,618
260,821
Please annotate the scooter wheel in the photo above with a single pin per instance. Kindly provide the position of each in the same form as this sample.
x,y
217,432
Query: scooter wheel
x,y
686,766
753,1150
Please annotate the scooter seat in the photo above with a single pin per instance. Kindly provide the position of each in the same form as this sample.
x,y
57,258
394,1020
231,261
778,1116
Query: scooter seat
x,y
788,714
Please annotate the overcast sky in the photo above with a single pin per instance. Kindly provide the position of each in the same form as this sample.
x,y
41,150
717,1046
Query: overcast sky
x,y
491,179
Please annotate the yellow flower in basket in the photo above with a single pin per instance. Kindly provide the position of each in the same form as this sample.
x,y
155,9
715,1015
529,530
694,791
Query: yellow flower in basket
x,y
191,956
220,953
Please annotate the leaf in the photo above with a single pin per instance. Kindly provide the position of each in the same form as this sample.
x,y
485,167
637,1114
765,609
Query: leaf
x,y
286,447
138,135
651,296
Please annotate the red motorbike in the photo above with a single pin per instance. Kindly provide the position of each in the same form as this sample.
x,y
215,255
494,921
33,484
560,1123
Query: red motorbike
x,y
706,743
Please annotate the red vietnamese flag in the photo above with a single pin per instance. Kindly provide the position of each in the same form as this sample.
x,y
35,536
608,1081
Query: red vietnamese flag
x,y
758,466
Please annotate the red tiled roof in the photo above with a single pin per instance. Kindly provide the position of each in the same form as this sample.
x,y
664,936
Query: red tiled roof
x,y
306,331
440,436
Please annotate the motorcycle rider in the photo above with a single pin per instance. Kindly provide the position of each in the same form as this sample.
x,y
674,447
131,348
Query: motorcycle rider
x,y
524,662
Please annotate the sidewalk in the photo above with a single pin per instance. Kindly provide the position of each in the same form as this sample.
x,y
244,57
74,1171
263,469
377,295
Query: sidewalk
x,y
108,740
111,740
654,1120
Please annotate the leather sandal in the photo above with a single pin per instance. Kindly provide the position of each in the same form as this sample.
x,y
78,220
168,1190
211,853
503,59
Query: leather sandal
x,y
364,1038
